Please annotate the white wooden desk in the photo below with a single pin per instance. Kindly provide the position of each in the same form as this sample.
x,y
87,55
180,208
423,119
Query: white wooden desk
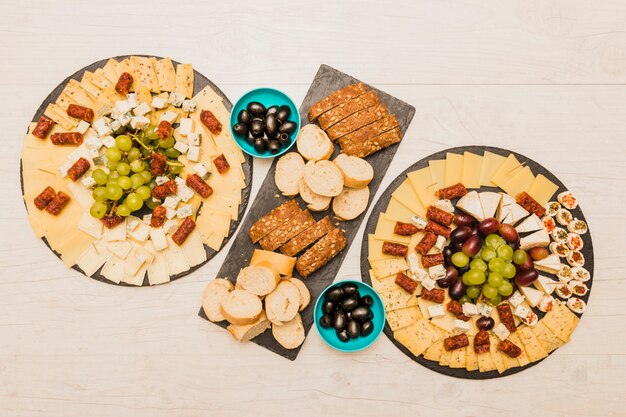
x,y
546,78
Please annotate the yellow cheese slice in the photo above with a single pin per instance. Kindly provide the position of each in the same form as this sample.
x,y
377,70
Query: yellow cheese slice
x,y
124,66
444,360
454,169
184,80
472,166
384,230
424,187
496,356
403,317
438,172
383,284
375,249
416,337
386,267
399,211
523,358
109,71
435,350
485,362
506,170
542,189
406,195
471,358
166,74
520,181
457,358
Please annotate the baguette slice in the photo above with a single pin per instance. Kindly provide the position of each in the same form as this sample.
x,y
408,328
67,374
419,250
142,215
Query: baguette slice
x,y
289,170
313,143
351,202
357,172
305,295
291,334
244,333
241,307
212,298
323,178
260,279
315,201
282,304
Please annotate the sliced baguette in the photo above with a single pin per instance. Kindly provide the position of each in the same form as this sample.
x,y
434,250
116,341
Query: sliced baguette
x,y
315,201
357,172
282,304
289,170
260,279
212,298
291,334
351,202
244,333
241,307
323,178
313,143
305,295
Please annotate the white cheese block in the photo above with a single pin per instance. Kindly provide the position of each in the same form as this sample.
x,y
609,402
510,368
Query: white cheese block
x,y
189,106
461,326
170,226
170,213
158,272
147,218
184,193
121,107
171,201
201,170
113,269
125,119
437,272
90,225
445,205
141,233
504,208
436,310
428,283
176,259
176,99
530,224
532,295
132,265
87,180
102,126
169,116
470,309
185,210
194,139
419,222
501,331
82,127
489,202
142,109
116,233
516,213
551,264
181,147
161,179
132,222
159,102
484,309
440,243
91,260
545,284
193,153
470,204
413,261
186,126
158,238
81,194
516,299
194,249
138,122
521,311
121,249
538,239
131,99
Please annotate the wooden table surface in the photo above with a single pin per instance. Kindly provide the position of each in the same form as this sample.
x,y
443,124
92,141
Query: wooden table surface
x,y
545,78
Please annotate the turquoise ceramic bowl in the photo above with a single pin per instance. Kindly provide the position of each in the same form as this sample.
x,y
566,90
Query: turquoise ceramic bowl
x,y
353,345
268,97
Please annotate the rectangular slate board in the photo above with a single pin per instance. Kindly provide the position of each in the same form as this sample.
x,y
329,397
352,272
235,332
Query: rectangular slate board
x,y
326,81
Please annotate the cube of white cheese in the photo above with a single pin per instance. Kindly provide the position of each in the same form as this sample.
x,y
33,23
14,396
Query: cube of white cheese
x,y
93,142
470,309
159,241
138,122
189,106
131,99
516,299
125,119
170,226
102,126
437,272
64,167
521,311
461,326
181,147
419,222
193,139
161,179
184,211
186,126
184,193
116,233
88,181
169,116
122,106
90,225
170,213
132,222
201,170
142,109
445,205
440,243
193,153
141,233
147,218
545,284
82,127
115,125
159,102
484,309
436,310
413,261
171,201
176,99
428,283
501,331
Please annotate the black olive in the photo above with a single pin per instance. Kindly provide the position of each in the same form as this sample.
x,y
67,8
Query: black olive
x,y
335,294
349,303
287,127
271,125
367,300
349,289
349,315
256,108
284,139
353,329
326,321
367,327
244,117
259,145
250,139
271,110
343,336
339,320
328,306
283,113
361,313
273,146
240,129
257,127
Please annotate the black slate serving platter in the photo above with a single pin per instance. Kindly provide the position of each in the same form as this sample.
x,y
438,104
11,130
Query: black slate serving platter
x,y
200,81
381,206
325,82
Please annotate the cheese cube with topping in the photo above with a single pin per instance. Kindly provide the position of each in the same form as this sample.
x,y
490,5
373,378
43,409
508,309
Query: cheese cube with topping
x,y
461,326
82,127
138,122
201,170
170,202
516,299
159,241
176,99
181,147
186,126
193,139
428,283
184,211
141,109
436,311
169,116
102,126
193,153
484,309
501,331
419,222
189,106
159,102
131,99
470,309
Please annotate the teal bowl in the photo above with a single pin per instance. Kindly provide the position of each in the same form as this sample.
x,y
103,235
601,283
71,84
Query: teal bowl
x,y
353,345
268,97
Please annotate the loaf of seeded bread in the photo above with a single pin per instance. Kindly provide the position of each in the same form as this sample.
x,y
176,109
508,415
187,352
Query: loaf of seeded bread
x,y
272,220
321,252
335,99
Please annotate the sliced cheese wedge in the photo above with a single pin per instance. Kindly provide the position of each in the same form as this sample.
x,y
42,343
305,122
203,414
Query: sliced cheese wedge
x,y
537,239
551,264
531,224
545,284
504,208
516,213
490,202
470,203
532,295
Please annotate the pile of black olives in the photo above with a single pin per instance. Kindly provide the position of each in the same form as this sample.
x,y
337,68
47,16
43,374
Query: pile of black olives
x,y
348,312
267,129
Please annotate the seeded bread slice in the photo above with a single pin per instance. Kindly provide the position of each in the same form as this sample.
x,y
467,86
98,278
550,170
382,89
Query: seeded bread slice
x,y
212,298
241,307
289,170
351,202
337,114
313,143
308,237
299,222
335,99
373,144
244,333
321,252
357,120
357,172
315,201
305,295
361,135
272,220
282,304
291,334
323,178
260,279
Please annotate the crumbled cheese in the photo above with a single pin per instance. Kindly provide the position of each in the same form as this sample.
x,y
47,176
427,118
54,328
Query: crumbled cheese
x,y
125,119
484,309
115,125
185,193
121,107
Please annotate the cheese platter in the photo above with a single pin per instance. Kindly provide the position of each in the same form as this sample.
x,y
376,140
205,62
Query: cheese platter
x,y
307,212
484,261
128,174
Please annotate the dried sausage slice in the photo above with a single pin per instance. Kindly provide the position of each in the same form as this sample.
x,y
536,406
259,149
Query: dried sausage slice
x,y
43,127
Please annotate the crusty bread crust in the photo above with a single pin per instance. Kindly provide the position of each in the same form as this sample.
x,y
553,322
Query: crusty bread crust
x,y
335,99
351,203
289,170
290,335
357,172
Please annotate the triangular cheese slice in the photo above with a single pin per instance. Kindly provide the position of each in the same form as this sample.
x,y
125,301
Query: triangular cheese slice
x,y
537,239
551,264
532,295
470,203
504,208
531,224
516,213
545,284
490,202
